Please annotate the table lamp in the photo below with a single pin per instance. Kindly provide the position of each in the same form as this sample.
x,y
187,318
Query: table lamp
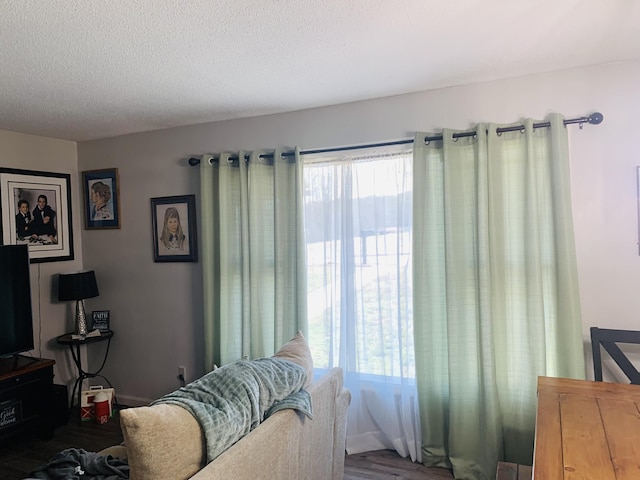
x,y
78,286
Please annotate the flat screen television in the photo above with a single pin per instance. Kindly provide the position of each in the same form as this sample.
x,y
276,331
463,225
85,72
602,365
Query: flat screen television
x,y
16,322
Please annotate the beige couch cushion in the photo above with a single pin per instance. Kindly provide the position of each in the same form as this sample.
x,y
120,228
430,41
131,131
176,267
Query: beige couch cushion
x,y
297,350
164,442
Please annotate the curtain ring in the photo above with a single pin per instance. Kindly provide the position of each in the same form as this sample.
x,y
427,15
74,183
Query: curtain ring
x,y
498,132
427,142
454,138
230,160
522,130
580,125
211,161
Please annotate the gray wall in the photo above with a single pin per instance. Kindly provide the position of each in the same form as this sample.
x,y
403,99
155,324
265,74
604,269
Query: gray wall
x,y
156,307
50,318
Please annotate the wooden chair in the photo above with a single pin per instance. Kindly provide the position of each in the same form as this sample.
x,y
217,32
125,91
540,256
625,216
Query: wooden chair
x,y
609,339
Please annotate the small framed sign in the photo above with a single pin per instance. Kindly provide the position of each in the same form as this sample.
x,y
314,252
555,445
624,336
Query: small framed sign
x,y
10,413
100,320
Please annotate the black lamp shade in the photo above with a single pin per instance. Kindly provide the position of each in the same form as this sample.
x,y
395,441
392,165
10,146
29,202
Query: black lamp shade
x,y
77,286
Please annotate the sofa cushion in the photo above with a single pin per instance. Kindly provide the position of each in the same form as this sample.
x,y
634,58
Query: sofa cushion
x,y
297,350
164,442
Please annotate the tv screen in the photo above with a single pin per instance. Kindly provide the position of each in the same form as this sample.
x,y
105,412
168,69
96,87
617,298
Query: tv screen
x,y
16,324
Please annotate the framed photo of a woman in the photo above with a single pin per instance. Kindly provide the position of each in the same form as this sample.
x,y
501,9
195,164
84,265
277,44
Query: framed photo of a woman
x,y
174,229
36,211
101,199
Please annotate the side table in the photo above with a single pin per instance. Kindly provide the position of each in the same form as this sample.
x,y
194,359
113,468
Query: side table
x,y
74,345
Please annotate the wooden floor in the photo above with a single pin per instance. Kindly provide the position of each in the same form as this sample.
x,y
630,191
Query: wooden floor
x,y
387,464
21,456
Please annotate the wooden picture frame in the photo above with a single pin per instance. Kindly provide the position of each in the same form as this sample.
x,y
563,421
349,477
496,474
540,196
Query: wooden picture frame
x,y
36,211
174,229
101,199
100,320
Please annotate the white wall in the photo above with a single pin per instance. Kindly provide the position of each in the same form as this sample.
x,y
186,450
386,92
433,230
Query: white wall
x,y
156,308
50,318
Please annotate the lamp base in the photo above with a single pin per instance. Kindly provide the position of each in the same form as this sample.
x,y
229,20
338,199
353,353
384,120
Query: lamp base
x,y
81,319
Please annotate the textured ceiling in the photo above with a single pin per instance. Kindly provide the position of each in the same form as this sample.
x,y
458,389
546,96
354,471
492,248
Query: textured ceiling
x,y
86,69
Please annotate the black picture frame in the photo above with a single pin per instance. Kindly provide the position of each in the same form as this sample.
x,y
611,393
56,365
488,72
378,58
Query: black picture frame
x,y
51,238
100,320
101,199
166,211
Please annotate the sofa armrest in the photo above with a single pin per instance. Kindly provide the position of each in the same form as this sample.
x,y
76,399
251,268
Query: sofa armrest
x,y
268,452
340,433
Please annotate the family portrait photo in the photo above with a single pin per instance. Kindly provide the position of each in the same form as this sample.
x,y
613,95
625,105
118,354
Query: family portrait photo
x,y
36,211
40,224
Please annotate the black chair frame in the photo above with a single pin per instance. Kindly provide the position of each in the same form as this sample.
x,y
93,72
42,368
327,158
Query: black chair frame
x,y
609,339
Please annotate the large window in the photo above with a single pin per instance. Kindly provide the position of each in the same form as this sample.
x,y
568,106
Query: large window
x,y
358,232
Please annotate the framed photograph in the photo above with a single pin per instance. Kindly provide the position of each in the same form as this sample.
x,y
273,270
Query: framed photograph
x,y
36,211
101,199
100,320
174,229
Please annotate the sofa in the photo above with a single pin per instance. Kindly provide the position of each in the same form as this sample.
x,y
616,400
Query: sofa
x,y
166,441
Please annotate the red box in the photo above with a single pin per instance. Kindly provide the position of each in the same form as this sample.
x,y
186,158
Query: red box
x,y
87,408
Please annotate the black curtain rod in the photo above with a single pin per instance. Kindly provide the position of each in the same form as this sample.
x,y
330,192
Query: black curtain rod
x,y
594,119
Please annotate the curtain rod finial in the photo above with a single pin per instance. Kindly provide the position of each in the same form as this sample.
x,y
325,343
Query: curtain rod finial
x,y
595,118
194,161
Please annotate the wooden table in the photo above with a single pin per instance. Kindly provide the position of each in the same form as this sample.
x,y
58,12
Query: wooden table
x,y
587,430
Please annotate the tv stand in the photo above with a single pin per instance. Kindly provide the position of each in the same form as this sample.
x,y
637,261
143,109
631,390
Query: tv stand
x,y
15,362
26,396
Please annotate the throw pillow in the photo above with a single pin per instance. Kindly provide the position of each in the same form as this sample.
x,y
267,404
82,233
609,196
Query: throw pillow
x,y
297,351
164,442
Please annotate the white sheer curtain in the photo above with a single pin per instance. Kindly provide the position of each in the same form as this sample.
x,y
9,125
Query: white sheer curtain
x,y
252,254
359,272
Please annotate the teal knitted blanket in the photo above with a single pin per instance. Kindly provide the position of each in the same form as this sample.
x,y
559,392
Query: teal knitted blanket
x,y
235,398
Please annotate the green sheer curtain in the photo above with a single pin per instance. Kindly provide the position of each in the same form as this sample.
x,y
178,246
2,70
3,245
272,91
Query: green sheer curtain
x,y
495,290
253,254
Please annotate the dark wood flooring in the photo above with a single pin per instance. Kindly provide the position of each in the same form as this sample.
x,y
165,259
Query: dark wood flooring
x,y
388,465
20,456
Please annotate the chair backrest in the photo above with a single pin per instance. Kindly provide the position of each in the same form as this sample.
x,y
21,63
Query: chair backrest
x,y
609,339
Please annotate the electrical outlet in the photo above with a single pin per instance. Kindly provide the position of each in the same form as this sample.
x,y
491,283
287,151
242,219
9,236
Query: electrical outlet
x,y
182,375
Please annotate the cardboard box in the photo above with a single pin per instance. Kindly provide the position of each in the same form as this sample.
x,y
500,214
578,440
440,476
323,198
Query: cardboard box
x,y
87,410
